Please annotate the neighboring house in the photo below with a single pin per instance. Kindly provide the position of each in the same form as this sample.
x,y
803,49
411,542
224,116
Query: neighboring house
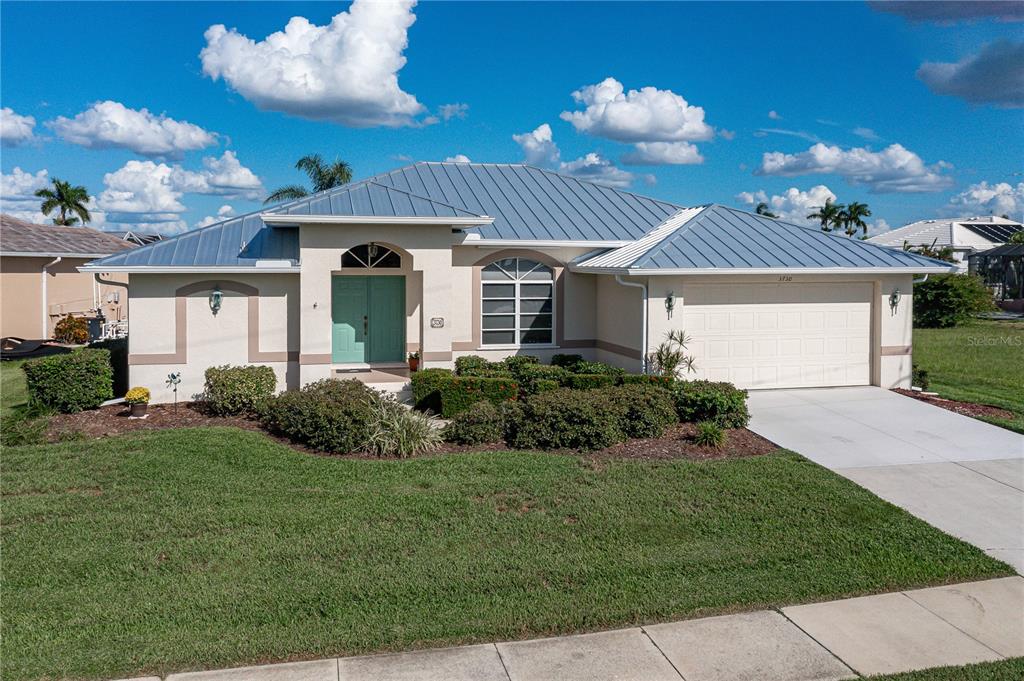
x,y
40,281
451,259
966,236
137,238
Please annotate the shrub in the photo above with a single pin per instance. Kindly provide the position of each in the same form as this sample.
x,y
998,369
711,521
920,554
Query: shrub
x,y
469,365
665,382
68,383
516,363
459,392
919,377
710,434
329,415
947,300
238,389
71,329
589,381
597,368
396,431
426,384
545,384
723,403
481,423
137,396
118,361
511,414
566,361
644,410
532,378
565,419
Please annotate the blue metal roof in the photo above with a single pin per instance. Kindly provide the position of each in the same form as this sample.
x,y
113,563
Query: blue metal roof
x,y
372,199
724,238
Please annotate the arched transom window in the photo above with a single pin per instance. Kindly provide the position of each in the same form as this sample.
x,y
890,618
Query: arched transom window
x,y
370,255
517,303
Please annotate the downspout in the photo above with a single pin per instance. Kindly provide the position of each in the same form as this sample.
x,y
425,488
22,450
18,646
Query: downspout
x,y
46,307
915,280
643,324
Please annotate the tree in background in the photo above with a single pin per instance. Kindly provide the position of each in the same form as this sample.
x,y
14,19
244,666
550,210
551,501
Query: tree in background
x,y
762,209
852,218
828,215
66,199
323,176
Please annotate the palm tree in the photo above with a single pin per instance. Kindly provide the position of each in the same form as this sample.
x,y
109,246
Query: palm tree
x,y
853,218
762,209
322,175
66,199
829,215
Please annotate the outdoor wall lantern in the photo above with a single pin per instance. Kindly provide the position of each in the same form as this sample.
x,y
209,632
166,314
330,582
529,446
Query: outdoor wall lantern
x,y
670,303
216,298
894,300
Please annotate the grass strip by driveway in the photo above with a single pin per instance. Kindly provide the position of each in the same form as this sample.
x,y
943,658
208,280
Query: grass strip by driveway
x,y
214,547
1003,670
13,389
981,362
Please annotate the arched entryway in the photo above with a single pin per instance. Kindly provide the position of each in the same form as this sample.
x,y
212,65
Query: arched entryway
x,y
368,306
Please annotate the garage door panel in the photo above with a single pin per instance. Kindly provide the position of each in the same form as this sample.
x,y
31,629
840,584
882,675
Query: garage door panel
x,y
786,335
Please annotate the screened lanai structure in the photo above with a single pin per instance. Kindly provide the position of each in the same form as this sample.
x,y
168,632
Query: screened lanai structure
x,y
1002,268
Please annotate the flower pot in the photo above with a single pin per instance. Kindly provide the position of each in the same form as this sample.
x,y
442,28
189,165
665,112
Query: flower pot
x,y
139,409
414,364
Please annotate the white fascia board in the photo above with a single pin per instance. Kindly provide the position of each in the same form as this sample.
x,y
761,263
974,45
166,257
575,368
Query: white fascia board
x,y
210,269
538,243
280,219
55,254
760,270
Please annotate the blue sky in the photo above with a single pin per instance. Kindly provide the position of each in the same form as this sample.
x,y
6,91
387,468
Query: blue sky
x,y
917,116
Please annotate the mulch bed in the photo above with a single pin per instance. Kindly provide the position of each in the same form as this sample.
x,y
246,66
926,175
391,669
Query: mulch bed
x,y
965,408
676,443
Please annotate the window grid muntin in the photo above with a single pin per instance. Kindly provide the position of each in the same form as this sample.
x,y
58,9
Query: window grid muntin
x,y
523,273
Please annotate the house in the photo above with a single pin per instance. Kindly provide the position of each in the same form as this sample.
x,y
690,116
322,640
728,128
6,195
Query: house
x,y
964,235
138,238
40,281
450,259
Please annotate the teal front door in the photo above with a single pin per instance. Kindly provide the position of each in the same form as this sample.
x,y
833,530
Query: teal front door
x,y
368,316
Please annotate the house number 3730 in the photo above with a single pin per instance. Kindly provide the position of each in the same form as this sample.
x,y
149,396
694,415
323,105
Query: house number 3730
x,y
785,277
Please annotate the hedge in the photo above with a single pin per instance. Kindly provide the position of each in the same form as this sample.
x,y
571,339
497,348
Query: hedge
x,y
118,348
648,379
79,380
723,403
425,388
645,410
238,389
590,381
947,300
446,394
481,423
328,415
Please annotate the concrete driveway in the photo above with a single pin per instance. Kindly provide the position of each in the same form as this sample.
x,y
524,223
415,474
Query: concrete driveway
x,y
962,475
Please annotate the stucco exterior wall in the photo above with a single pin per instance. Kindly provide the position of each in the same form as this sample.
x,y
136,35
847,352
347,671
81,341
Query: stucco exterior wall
x,y
68,291
174,330
619,322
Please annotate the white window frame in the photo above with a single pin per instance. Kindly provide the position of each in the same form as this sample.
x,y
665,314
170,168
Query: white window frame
x,y
517,281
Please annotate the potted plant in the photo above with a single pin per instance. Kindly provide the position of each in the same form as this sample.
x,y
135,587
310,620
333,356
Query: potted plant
x,y
138,400
414,361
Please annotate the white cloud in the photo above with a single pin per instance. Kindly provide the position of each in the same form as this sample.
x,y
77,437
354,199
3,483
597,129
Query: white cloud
x,y
17,194
663,153
802,134
995,75
895,169
596,168
774,115
15,129
346,71
538,146
727,134
109,124
223,213
877,227
866,133
793,205
458,158
450,111
644,115
999,198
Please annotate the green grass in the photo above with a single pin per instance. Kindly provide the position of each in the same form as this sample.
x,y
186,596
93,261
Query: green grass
x,y
981,362
1003,670
214,547
13,391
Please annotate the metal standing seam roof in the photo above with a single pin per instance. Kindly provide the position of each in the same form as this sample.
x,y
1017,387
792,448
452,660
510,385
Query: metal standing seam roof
x,y
720,238
369,198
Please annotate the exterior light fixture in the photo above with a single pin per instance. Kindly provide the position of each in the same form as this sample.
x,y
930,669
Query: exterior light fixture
x,y
894,300
670,303
216,298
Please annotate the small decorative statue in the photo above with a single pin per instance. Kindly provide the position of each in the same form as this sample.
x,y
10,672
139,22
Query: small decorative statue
x,y
173,379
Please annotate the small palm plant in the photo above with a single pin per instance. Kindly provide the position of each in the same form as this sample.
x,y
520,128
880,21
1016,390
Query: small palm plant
x,y
324,176
670,358
66,199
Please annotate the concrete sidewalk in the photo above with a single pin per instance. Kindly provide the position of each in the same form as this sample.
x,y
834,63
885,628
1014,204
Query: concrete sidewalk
x,y
887,633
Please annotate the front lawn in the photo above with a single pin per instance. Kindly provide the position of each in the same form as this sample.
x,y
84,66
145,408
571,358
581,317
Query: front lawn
x,y
214,547
981,362
13,391
1003,670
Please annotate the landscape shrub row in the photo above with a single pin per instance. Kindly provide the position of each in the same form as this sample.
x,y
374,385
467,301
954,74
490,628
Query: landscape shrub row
x,y
72,382
231,390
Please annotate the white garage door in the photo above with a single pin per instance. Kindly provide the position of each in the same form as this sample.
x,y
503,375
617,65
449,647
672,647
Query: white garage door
x,y
784,335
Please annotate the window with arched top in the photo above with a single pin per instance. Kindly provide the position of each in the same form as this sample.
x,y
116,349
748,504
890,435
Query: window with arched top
x,y
517,303
371,255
